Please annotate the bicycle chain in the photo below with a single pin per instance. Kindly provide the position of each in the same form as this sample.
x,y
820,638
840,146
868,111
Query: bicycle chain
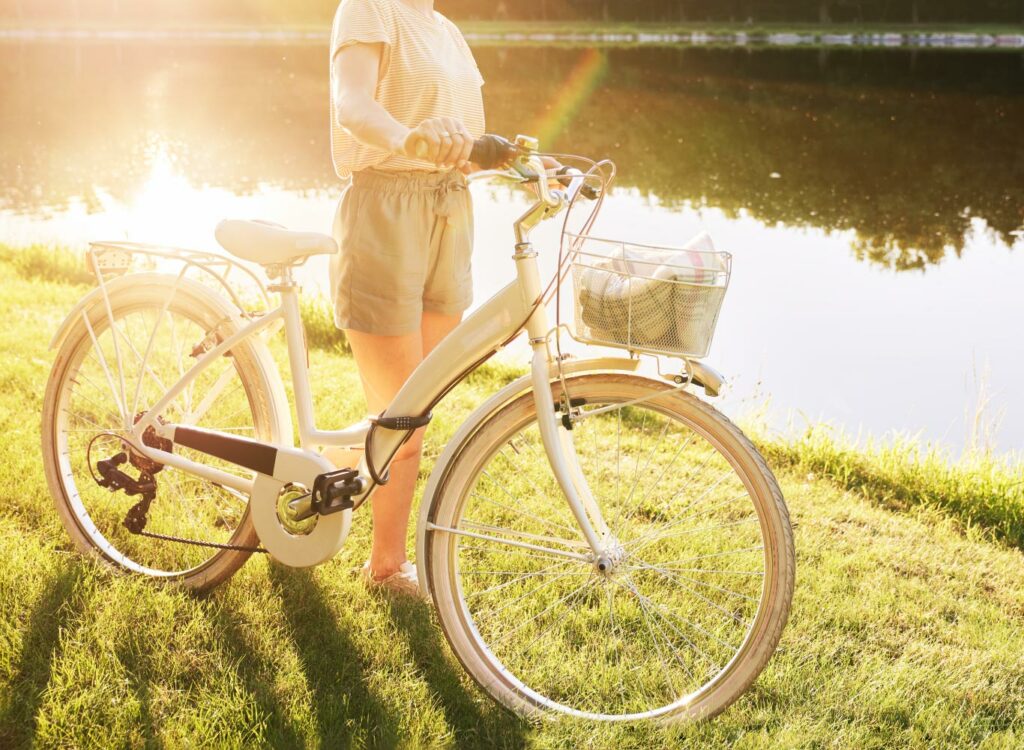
x,y
197,543
145,485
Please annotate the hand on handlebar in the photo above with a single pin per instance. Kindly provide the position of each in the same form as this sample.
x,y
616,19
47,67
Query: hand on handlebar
x,y
492,153
443,141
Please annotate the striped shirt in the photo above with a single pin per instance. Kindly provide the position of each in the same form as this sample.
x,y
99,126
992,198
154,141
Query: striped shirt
x,y
427,70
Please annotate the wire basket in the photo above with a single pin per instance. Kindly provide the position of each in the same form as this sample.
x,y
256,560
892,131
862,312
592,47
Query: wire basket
x,y
660,300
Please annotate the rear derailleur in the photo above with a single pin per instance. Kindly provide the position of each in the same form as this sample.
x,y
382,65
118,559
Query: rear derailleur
x,y
112,478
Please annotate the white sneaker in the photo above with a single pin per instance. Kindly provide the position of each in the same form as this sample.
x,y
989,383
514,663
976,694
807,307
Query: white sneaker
x,y
403,581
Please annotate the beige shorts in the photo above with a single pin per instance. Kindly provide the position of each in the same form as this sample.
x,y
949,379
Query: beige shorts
x,y
405,242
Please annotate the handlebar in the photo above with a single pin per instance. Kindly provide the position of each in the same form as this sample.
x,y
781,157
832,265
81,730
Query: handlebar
x,y
493,152
520,164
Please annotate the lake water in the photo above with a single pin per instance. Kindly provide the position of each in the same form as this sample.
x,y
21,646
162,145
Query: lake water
x,y
873,200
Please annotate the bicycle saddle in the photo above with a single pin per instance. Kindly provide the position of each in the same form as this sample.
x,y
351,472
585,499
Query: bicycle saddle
x,y
269,244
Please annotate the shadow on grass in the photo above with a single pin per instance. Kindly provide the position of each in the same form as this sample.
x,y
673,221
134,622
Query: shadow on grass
x,y
253,670
55,611
474,718
342,702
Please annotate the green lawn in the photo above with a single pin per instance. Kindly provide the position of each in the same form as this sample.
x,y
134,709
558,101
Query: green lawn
x,y
906,629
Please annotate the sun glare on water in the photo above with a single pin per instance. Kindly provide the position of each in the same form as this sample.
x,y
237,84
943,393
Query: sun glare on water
x,y
167,208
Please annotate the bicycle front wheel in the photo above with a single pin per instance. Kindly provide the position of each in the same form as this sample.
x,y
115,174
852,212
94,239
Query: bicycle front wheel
x,y
699,538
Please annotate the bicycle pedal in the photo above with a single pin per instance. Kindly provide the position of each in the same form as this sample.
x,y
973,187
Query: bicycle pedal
x,y
333,491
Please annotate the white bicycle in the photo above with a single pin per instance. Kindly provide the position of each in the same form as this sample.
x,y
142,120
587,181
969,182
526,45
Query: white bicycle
x,y
597,542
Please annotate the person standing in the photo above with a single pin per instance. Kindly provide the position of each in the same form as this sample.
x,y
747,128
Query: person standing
x,y
406,106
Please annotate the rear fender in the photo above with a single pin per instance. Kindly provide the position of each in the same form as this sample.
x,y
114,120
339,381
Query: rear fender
x,y
94,307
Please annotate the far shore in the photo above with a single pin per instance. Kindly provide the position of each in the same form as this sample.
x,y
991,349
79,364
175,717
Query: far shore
x,y
914,36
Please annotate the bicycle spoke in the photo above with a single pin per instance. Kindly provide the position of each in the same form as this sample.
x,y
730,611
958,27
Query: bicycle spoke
x,y
185,506
534,590
510,550
668,674
212,395
676,576
187,393
106,369
520,626
730,648
756,548
663,613
524,576
687,532
699,570
624,522
103,412
518,511
525,545
694,502
683,582
524,534
149,348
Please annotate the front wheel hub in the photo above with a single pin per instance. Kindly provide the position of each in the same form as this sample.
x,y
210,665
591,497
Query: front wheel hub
x,y
609,558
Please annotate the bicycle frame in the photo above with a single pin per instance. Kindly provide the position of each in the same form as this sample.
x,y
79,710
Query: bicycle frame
x,y
516,307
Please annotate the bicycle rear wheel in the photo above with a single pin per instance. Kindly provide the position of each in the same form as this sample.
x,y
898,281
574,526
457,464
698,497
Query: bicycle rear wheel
x,y
106,375
703,564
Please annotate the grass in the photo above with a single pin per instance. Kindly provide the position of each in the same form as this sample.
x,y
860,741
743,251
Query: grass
x,y
318,319
906,629
44,263
980,490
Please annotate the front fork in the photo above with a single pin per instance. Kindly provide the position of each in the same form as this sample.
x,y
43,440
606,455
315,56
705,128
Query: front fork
x,y
561,452
558,442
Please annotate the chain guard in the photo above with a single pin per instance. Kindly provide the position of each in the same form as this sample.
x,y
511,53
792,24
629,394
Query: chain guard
x,y
299,551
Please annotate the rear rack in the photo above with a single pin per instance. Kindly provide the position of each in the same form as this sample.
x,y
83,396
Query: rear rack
x,y
243,286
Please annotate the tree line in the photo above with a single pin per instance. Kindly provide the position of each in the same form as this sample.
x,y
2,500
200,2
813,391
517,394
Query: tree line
x,y
904,150
625,11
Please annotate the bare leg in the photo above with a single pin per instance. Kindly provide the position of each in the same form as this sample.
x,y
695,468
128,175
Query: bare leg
x,y
385,362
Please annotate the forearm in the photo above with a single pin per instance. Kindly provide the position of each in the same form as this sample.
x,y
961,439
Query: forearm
x,y
443,141
369,123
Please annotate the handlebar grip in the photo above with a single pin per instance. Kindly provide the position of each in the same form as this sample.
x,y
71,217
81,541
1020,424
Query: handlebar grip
x,y
492,152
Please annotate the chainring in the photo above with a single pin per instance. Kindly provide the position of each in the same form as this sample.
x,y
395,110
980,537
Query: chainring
x,y
297,550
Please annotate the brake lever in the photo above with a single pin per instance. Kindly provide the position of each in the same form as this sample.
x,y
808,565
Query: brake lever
x,y
565,176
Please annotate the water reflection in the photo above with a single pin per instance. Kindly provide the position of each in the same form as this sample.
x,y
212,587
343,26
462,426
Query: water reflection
x,y
821,173
903,148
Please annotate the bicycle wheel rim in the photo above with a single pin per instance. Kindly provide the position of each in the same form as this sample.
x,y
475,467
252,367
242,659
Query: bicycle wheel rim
x,y
511,676
103,530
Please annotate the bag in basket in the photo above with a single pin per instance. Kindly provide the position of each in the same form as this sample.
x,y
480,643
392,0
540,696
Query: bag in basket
x,y
635,296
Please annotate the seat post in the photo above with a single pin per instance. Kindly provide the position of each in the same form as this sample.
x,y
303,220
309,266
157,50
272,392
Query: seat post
x,y
298,355
282,276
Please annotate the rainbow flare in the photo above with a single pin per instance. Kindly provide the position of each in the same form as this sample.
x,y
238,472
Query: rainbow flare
x,y
585,76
